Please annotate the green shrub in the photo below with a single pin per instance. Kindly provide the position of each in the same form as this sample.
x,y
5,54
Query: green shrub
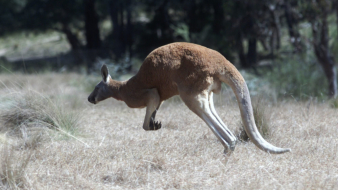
x,y
298,76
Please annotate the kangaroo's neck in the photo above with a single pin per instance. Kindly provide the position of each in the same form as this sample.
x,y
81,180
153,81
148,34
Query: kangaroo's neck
x,y
132,92
125,90
115,89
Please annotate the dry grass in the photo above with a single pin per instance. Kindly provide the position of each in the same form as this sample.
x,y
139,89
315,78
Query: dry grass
x,y
262,121
13,165
30,114
334,103
184,154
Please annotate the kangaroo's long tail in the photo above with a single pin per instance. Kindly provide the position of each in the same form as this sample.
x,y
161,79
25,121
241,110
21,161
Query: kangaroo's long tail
x,y
235,80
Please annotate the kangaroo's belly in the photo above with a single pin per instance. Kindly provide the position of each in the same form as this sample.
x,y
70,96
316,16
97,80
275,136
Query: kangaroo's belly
x,y
167,90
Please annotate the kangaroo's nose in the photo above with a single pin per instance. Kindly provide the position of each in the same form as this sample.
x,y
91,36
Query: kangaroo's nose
x,y
91,99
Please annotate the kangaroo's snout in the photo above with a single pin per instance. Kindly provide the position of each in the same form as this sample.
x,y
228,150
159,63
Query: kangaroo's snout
x,y
91,100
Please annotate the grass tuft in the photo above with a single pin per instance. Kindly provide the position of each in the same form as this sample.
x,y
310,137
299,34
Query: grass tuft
x,y
334,103
31,110
261,121
13,167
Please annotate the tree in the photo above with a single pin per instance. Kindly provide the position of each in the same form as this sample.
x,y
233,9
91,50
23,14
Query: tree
x,y
92,32
316,12
255,22
8,19
116,10
68,17
63,16
292,18
92,26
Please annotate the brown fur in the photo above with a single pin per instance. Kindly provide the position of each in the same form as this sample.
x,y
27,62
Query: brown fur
x,y
181,65
192,71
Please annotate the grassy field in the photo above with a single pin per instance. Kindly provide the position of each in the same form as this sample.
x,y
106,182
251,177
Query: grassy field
x,y
52,138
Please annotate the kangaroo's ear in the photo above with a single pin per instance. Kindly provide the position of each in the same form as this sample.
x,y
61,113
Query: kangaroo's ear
x,y
104,73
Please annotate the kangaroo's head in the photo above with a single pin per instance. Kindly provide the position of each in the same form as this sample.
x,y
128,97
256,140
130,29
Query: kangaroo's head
x,y
102,90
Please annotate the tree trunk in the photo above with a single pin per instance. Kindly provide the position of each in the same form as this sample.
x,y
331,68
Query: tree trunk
x,y
92,26
252,52
276,30
331,75
252,43
218,23
75,44
328,64
293,32
322,52
240,50
336,10
118,34
122,37
129,32
71,38
192,22
162,23
92,33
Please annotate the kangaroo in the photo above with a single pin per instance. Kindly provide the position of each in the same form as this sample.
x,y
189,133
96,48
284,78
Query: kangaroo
x,y
194,73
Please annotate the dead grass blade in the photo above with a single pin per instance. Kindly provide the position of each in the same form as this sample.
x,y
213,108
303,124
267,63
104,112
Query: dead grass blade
x,y
13,166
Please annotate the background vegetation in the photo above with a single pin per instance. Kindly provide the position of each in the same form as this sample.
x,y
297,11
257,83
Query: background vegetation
x,y
293,42
52,138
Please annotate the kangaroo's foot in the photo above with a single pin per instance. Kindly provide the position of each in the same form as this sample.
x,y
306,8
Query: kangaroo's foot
x,y
229,147
232,145
155,125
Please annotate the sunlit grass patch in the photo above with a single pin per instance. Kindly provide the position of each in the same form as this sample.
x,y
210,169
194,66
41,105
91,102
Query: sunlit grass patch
x,y
3,139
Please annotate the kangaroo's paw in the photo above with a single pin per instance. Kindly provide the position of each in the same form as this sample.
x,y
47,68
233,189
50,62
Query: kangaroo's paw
x,y
155,125
230,147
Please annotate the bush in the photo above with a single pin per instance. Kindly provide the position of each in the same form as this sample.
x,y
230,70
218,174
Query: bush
x,y
299,77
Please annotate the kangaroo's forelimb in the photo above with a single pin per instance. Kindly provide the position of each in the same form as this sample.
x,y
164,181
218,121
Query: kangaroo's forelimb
x,y
154,125
153,104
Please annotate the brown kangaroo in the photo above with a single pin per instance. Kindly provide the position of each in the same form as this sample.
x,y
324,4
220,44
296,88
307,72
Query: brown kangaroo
x,y
194,72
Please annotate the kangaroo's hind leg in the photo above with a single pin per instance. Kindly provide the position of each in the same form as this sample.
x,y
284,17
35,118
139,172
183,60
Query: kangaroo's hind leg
x,y
200,105
213,111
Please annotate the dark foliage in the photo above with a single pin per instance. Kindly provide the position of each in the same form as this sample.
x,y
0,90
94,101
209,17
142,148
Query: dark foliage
x,y
245,31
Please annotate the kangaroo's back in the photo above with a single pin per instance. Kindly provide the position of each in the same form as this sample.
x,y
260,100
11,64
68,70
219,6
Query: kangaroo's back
x,y
181,64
